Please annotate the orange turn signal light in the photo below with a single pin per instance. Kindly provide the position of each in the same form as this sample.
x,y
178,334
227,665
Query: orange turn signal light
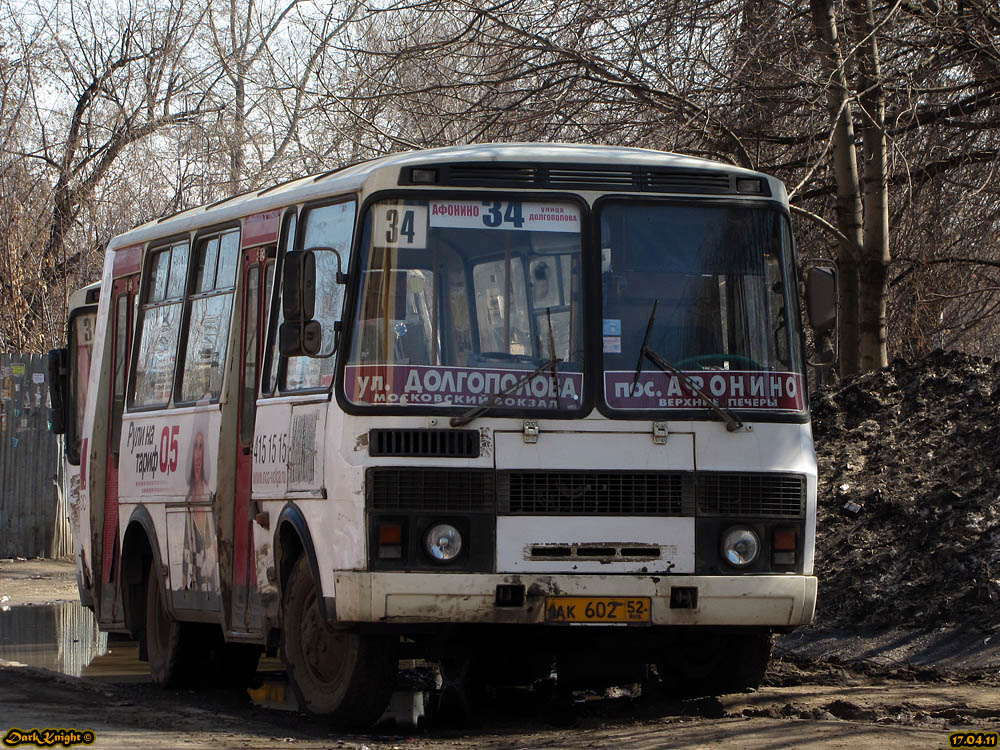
x,y
390,533
784,540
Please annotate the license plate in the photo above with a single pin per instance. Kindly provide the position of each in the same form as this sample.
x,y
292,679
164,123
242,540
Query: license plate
x,y
597,609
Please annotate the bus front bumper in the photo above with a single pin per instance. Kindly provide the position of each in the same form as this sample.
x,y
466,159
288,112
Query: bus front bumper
x,y
764,600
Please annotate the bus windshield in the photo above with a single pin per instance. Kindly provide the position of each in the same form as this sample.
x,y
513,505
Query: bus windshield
x,y
461,299
721,277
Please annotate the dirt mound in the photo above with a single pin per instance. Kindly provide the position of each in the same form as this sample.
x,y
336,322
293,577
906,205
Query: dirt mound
x,y
909,495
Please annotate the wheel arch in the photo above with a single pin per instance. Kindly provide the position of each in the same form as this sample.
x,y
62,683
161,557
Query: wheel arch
x,y
140,547
292,539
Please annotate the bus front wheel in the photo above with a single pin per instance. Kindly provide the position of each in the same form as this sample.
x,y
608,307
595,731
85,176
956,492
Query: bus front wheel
x,y
342,675
715,662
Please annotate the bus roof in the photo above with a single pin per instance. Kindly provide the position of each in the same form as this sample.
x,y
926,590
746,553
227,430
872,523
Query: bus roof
x,y
352,177
85,296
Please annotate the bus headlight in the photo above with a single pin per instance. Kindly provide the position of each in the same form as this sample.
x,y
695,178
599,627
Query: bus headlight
x,y
443,542
740,546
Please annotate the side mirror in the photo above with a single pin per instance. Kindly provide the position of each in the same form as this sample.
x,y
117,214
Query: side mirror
x,y
300,335
821,308
300,339
298,293
58,388
821,298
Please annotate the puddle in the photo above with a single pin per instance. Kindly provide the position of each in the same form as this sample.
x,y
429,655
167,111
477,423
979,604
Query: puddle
x,y
120,663
59,637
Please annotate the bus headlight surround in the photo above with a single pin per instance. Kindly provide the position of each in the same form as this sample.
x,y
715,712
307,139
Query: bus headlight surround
x,y
443,542
740,546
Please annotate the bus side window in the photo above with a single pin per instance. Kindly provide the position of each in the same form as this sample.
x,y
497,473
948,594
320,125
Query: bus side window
x,y
81,348
324,226
121,345
276,317
251,307
159,325
209,310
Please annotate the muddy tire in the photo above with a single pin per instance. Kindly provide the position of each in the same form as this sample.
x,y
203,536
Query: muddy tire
x,y
460,700
341,675
715,663
173,647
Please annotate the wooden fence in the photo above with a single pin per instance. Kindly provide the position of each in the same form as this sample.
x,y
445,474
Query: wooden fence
x,y
34,517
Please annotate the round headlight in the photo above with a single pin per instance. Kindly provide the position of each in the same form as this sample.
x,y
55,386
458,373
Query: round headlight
x,y
740,546
443,542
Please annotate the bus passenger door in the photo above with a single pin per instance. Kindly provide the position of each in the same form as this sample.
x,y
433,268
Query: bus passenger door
x,y
123,293
258,278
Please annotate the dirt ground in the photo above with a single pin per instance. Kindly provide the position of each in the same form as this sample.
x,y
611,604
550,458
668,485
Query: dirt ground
x,y
37,581
815,707
908,527
827,688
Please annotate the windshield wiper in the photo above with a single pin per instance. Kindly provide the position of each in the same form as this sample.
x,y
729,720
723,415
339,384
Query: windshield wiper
x,y
732,422
476,411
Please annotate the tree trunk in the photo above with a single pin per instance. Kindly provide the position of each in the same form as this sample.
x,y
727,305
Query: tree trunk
x,y
849,207
875,259
237,70
238,135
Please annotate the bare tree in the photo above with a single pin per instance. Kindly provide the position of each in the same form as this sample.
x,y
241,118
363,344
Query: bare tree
x,y
845,168
24,191
882,118
908,92
113,77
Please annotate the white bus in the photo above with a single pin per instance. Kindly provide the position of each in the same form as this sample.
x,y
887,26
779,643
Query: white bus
x,y
68,399
494,406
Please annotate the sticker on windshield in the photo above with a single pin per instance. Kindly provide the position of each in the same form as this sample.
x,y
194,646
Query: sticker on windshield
x,y
519,216
741,390
612,327
401,226
612,344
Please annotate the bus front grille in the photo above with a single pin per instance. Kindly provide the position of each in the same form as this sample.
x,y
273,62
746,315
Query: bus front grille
x,y
583,493
429,489
421,442
735,494
616,493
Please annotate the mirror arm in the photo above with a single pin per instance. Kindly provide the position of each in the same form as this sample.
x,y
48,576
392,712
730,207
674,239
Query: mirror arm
x,y
341,276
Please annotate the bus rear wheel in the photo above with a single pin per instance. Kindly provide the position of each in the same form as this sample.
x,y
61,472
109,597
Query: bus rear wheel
x,y
342,675
172,647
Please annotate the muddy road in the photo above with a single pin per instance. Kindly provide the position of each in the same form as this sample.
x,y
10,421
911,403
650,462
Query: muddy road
x,y
826,689
870,713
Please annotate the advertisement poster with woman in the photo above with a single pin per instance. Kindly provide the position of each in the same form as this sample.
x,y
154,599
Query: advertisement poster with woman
x,y
172,461
199,561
